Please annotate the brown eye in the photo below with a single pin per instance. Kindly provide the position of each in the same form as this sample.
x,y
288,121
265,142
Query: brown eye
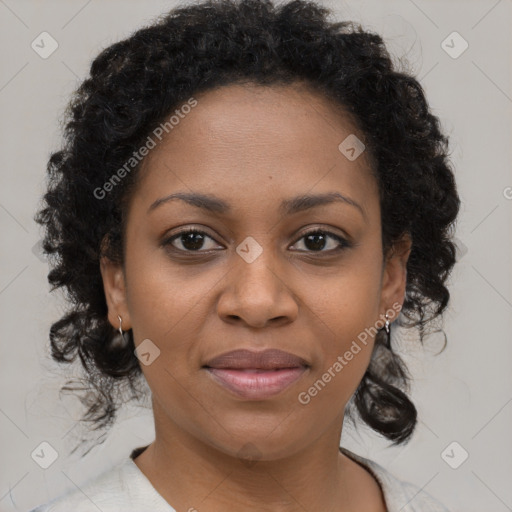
x,y
191,240
317,240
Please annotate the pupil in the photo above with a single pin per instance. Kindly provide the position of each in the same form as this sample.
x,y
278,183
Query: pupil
x,y
189,243
316,239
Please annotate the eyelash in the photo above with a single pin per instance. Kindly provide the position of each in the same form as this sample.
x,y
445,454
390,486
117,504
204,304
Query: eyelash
x,y
343,243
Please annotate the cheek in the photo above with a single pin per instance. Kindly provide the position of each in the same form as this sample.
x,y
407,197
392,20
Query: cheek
x,y
346,317
335,380
160,296
160,306
348,306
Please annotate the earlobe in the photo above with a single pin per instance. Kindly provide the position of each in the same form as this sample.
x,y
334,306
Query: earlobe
x,y
114,287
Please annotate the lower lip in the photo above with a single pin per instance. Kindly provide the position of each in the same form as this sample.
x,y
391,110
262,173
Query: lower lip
x,y
256,385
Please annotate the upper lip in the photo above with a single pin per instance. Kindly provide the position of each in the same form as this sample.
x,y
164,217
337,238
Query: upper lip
x,y
269,359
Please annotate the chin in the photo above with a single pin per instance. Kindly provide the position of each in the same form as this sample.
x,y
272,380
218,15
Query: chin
x,y
252,443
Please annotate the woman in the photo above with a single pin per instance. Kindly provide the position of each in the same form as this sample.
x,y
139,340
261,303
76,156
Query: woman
x,y
248,197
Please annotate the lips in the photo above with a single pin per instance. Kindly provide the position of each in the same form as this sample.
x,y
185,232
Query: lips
x,y
270,359
256,375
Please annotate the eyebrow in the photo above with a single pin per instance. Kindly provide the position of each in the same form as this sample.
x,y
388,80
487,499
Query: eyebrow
x,y
297,204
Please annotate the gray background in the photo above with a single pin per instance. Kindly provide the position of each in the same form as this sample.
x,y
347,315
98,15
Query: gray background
x,y
463,395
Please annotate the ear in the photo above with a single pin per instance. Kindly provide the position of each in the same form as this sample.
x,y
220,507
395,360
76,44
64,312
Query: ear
x,y
394,276
114,285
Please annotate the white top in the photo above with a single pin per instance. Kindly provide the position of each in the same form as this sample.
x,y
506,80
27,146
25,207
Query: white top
x,y
125,488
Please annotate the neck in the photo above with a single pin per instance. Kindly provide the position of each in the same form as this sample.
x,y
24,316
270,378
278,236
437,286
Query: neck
x,y
194,476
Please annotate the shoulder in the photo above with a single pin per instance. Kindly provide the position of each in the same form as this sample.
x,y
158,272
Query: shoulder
x,y
123,487
399,494
104,491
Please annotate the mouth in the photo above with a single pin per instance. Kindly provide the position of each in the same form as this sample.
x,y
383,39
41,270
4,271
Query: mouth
x,y
256,375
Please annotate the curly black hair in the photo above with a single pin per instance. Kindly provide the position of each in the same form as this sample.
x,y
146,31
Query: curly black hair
x,y
135,84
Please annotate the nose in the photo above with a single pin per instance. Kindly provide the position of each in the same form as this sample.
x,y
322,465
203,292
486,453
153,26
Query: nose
x,y
257,294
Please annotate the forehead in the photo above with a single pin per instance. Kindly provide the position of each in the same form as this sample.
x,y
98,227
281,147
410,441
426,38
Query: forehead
x,y
255,145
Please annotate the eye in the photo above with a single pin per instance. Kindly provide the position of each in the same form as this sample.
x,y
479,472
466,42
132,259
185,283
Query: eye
x,y
318,239
190,239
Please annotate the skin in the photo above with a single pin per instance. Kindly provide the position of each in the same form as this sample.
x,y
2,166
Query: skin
x,y
253,147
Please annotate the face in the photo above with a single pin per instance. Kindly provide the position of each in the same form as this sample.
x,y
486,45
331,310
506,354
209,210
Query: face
x,y
258,271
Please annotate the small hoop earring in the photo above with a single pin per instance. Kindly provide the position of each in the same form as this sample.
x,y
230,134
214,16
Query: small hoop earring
x,y
123,341
120,329
387,327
